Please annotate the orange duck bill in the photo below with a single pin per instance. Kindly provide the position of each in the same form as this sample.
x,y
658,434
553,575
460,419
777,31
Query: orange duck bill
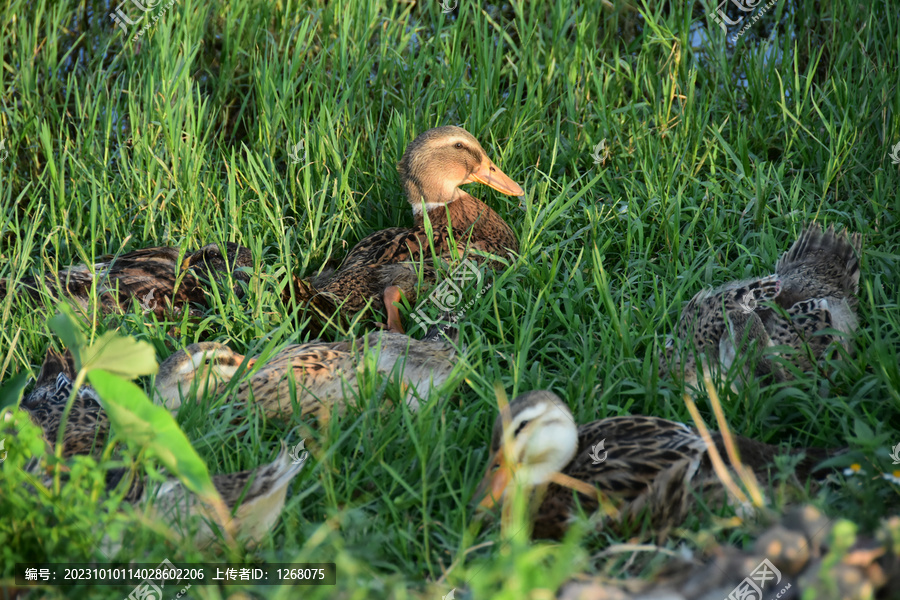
x,y
494,482
490,175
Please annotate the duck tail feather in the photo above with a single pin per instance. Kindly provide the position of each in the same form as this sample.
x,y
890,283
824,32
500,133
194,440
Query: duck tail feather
x,y
815,247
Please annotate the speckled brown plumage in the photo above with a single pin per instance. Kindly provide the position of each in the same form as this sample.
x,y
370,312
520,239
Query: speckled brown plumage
x,y
257,494
154,277
322,373
812,290
432,168
820,279
795,558
87,428
654,464
651,465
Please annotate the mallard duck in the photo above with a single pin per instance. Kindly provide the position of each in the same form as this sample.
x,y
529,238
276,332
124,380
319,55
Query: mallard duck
x,y
786,556
257,495
259,492
640,463
382,267
153,276
812,290
323,373
87,427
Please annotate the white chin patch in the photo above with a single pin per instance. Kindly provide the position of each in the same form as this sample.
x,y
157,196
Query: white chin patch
x,y
417,208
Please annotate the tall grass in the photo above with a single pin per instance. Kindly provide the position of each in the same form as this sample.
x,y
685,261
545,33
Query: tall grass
x,y
718,156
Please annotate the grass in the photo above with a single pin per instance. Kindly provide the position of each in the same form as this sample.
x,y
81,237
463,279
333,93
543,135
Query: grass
x,y
718,157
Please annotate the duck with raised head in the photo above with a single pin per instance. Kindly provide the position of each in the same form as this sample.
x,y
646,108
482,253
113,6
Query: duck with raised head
x,y
641,464
322,374
811,292
155,277
383,266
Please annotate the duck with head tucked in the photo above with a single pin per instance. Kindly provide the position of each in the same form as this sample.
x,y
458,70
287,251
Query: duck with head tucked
x,y
315,376
154,277
255,496
807,305
643,465
87,428
383,266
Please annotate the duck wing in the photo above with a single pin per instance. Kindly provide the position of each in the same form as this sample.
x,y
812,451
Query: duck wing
x,y
320,373
641,454
703,319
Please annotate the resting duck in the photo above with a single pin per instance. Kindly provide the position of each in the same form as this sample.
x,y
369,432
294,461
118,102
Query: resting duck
x,y
254,497
639,463
258,494
87,427
323,373
812,290
806,552
153,276
382,267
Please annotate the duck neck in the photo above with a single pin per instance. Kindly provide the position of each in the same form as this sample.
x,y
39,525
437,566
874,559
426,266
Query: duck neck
x,y
433,194
461,212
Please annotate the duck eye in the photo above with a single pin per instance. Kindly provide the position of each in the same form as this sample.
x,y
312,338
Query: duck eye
x,y
521,426
208,361
459,145
493,168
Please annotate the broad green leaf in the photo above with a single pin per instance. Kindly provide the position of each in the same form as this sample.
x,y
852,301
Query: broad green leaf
x,y
121,355
63,325
862,430
10,393
138,421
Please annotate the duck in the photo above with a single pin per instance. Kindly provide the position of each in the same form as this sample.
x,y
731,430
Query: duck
x,y
644,465
806,306
87,427
323,373
786,555
254,497
155,277
382,267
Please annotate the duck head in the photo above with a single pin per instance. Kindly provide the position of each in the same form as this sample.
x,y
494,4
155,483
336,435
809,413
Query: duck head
x,y
440,160
540,441
206,363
